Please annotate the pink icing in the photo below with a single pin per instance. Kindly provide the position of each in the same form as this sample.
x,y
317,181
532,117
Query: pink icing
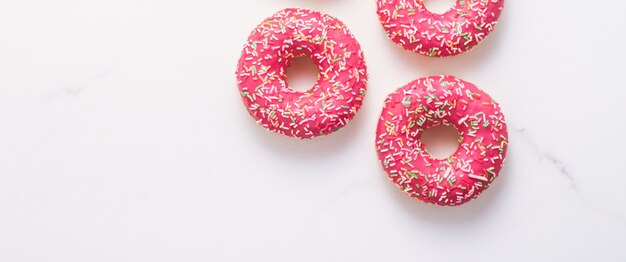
x,y
331,103
409,24
441,100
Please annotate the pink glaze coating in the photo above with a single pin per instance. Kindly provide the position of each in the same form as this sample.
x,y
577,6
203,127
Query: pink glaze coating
x,y
441,100
331,103
409,24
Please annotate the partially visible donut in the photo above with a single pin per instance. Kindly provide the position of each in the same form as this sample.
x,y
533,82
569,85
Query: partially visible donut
x,y
331,103
441,100
409,24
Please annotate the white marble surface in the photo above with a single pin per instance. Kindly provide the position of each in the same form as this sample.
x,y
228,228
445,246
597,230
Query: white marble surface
x,y
122,138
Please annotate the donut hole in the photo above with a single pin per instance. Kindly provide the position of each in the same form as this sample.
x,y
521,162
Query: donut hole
x,y
439,6
441,141
302,74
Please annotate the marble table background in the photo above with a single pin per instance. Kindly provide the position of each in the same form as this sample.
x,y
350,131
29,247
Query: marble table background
x,y
123,138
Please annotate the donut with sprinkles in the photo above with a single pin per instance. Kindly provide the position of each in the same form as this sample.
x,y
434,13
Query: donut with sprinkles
x,y
409,24
433,101
336,96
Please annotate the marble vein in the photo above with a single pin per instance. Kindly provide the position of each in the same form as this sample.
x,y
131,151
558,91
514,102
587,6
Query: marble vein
x,y
563,170
543,155
74,91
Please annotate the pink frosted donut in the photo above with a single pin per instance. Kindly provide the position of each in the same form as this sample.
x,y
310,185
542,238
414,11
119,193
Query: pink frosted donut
x,y
409,24
331,103
441,100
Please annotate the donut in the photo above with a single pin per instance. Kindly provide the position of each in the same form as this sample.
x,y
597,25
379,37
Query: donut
x,y
433,101
336,96
409,24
